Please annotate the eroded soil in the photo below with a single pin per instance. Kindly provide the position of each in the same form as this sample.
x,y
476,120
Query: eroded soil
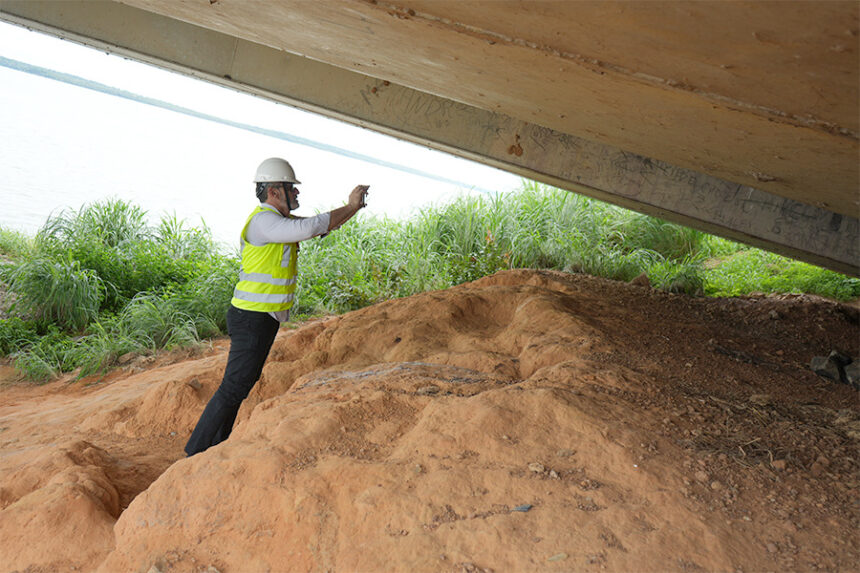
x,y
529,421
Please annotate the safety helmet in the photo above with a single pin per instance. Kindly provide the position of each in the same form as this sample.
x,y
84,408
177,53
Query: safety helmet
x,y
275,170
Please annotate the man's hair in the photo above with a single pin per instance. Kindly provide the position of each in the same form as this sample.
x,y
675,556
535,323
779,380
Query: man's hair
x,y
263,191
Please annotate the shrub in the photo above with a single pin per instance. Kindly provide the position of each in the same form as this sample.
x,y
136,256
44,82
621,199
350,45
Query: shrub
x,y
155,322
47,357
58,291
14,244
184,243
16,334
206,297
131,268
110,223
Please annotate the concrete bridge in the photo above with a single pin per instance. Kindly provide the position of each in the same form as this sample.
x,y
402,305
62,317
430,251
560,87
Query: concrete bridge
x,y
740,119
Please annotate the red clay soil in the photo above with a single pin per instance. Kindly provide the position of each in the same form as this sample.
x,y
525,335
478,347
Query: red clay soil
x,y
529,421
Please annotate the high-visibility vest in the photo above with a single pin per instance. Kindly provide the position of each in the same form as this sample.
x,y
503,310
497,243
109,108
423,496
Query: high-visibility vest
x,y
267,279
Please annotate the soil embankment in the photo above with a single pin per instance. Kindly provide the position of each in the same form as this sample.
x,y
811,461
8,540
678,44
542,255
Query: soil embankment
x,y
527,421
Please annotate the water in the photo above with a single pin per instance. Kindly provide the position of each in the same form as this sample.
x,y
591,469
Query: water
x,y
62,146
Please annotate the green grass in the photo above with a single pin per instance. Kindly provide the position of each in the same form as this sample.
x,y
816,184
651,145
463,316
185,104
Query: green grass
x,y
99,282
56,291
14,244
752,270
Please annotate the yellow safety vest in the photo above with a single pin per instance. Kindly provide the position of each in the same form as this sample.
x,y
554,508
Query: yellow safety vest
x,y
267,279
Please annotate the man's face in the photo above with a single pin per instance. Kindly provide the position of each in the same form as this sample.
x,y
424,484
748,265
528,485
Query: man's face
x,y
293,195
290,196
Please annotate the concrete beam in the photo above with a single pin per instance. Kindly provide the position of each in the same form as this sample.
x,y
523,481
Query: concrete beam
x,y
743,213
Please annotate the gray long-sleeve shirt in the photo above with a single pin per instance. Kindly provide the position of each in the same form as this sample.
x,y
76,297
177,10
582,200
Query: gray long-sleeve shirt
x,y
272,227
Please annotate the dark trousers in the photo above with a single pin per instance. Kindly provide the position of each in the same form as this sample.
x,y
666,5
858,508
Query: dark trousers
x,y
251,336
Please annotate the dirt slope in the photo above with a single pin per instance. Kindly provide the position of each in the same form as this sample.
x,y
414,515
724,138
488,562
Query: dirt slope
x,y
529,421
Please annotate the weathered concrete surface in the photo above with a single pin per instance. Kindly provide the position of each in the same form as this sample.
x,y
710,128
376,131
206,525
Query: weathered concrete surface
x,y
759,93
745,149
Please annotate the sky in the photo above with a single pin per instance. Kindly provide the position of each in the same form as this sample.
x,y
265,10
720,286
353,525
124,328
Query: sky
x,y
66,145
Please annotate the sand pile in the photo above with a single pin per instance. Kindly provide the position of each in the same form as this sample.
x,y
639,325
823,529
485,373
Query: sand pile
x,y
527,421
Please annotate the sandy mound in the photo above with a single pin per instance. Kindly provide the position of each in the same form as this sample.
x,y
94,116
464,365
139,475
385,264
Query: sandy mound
x,y
527,421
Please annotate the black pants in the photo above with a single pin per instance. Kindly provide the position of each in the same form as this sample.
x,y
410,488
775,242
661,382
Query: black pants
x,y
251,336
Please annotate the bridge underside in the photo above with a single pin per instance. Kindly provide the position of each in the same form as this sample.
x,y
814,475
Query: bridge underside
x,y
740,119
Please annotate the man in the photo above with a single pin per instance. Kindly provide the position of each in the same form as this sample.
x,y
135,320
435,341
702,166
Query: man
x,y
264,293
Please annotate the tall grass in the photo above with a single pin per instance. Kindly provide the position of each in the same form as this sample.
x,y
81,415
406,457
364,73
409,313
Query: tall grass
x,y
98,282
538,227
14,244
57,291
110,222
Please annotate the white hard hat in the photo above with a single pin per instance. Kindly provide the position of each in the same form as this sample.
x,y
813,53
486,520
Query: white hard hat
x,y
275,170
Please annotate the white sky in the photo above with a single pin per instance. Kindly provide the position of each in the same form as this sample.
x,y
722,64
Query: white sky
x,y
223,170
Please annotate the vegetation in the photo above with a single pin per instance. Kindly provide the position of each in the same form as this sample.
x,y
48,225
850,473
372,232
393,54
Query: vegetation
x,y
539,227
98,283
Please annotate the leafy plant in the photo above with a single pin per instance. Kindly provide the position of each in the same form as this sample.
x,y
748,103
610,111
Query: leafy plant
x,y
47,357
16,334
14,244
110,223
155,322
57,291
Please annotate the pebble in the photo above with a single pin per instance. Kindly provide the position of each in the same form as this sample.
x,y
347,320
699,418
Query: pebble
x,y
771,547
558,557
195,384
553,474
522,508
773,315
715,485
428,390
536,467
778,465
701,476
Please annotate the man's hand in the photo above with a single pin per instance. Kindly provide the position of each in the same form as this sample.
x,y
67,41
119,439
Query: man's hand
x,y
343,214
357,196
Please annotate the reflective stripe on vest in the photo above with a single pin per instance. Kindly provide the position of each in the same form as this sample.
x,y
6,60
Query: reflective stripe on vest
x,y
267,279
264,278
255,297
